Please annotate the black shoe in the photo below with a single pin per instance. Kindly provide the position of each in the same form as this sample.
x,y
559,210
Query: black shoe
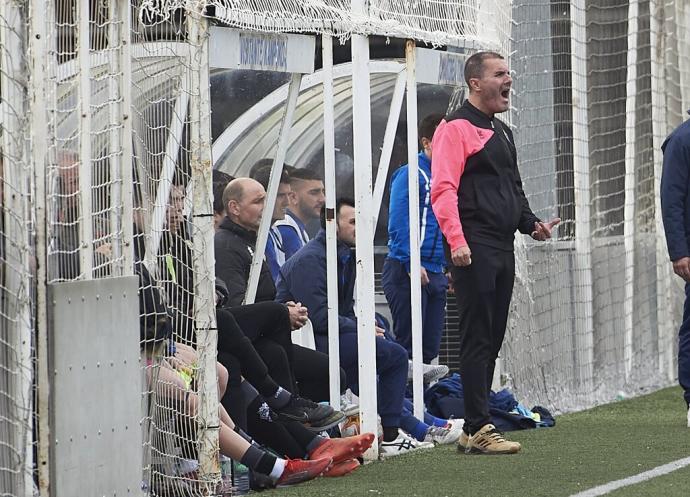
x,y
304,410
326,423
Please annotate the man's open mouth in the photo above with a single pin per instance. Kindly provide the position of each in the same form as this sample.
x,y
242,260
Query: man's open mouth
x,y
505,93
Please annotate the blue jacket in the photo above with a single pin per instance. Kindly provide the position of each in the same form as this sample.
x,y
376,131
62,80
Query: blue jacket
x,y
675,191
432,255
303,279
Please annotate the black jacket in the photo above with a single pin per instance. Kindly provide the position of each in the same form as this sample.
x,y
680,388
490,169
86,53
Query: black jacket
x,y
234,248
491,200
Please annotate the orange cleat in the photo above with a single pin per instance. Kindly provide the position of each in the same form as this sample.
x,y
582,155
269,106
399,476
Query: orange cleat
x,y
342,468
299,470
342,449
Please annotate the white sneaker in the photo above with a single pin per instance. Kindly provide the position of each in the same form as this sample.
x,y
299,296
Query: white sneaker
x,y
401,445
456,424
430,372
347,406
440,435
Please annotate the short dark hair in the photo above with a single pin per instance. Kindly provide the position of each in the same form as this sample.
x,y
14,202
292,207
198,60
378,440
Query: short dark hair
x,y
305,175
220,181
338,204
263,176
428,126
474,66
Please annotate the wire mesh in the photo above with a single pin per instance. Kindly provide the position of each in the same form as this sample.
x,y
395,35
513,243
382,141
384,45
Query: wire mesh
x,y
457,22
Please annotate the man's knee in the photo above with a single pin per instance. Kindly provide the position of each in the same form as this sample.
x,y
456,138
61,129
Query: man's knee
x,y
390,353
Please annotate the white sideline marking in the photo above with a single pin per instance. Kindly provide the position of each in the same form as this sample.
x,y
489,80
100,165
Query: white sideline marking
x,y
632,480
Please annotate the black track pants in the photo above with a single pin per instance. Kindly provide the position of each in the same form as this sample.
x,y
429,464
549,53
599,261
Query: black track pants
x,y
483,291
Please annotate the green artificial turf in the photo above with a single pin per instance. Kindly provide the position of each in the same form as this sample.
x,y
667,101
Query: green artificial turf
x,y
584,450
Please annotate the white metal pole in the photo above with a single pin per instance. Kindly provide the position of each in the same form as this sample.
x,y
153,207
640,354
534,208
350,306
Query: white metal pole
x,y
274,182
331,226
125,113
629,209
388,140
115,161
15,173
665,331
40,16
584,315
85,167
204,260
364,232
172,147
413,204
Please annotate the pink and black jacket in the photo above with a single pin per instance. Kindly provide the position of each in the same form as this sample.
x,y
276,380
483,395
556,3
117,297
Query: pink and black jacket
x,y
477,193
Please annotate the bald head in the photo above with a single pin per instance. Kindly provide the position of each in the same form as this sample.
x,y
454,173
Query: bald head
x,y
244,200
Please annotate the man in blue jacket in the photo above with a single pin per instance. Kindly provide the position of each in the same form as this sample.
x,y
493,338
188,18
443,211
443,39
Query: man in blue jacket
x,y
675,209
396,268
303,277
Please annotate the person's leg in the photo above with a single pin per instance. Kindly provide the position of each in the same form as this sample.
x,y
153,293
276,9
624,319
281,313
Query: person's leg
x,y
391,368
396,286
428,418
475,295
233,400
433,315
265,429
504,293
415,427
311,373
231,340
266,320
684,348
276,359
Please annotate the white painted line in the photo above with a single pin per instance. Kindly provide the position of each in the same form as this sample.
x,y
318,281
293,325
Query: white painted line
x,y
647,475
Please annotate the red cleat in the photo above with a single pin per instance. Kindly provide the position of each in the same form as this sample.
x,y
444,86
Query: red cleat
x,y
342,468
342,449
299,470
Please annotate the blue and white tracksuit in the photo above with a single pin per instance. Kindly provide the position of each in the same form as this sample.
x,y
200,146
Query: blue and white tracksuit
x,y
396,268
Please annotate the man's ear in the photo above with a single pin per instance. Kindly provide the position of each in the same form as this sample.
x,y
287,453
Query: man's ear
x,y
231,208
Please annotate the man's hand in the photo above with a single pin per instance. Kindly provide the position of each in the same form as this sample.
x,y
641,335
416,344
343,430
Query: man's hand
x,y
462,256
542,231
298,314
380,332
425,277
449,276
682,268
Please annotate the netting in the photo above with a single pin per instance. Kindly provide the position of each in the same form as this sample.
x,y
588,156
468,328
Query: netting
x,y
172,196
571,343
439,22
17,284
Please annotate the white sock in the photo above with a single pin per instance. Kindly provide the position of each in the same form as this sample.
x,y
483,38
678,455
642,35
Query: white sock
x,y
278,468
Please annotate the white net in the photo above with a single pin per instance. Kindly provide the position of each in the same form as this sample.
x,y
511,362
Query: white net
x,y
17,284
554,355
456,22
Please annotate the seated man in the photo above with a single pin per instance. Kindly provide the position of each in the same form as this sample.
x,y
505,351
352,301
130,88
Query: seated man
x,y
275,253
234,242
309,287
